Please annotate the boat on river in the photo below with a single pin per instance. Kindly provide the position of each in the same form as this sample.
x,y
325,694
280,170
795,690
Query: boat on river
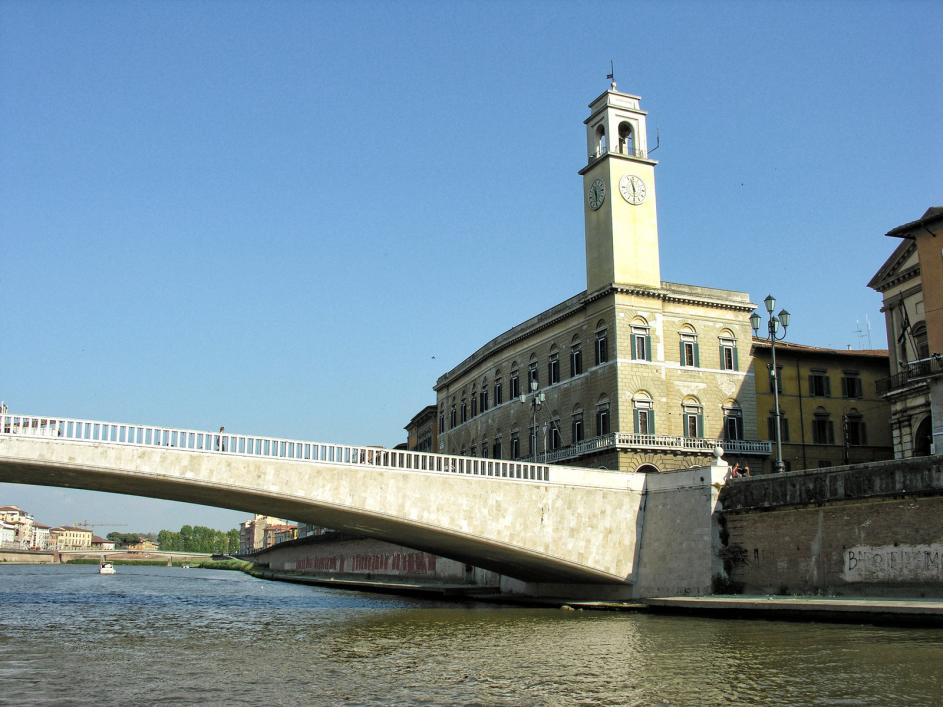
x,y
106,568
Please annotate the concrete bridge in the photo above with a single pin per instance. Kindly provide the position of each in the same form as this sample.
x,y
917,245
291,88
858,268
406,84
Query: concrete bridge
x,y
538,523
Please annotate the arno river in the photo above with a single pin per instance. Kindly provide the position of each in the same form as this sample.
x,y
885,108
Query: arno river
x,y
155,635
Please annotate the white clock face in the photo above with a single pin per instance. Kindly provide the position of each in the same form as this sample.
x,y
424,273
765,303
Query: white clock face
x,y
596,194
632,189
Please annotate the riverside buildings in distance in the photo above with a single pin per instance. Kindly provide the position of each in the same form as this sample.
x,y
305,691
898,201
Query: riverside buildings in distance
x,y
634,373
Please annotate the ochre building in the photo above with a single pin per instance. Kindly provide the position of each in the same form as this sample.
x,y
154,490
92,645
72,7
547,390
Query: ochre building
x,y
830,410
634,373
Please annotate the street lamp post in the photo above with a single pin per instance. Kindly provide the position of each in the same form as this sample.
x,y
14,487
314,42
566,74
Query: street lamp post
x,y
773,335
537,398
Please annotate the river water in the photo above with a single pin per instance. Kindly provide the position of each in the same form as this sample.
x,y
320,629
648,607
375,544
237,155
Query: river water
x,y
159,635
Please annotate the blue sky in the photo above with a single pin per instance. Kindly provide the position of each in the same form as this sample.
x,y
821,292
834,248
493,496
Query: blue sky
x,y
290,217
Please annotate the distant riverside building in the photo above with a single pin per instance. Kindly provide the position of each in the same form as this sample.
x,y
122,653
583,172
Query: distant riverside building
x,y
634,373
102,544
830,410
144,545
911,284
279,533
70,538
422,433
40,539
22,522
7,534
252,532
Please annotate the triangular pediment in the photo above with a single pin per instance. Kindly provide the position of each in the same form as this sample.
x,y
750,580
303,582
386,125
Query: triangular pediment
x,y
903,264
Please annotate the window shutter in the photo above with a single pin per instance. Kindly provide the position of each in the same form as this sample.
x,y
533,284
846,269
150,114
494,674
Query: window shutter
x,y
681,346
700,420
811,384
736,362
828,386
697,355
864,437
721,359
636,421
830,431
632,338
651,422
648,347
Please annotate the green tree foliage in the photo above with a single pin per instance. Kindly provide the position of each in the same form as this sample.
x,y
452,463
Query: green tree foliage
x,y
198,538
124,538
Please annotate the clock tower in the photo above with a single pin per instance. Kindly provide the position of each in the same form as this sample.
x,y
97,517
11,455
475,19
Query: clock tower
x,y
619,195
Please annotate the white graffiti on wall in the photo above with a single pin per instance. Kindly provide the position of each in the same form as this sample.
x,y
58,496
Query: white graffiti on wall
x,y
893,563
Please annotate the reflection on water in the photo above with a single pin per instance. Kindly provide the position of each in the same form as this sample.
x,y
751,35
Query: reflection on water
x,y
169,635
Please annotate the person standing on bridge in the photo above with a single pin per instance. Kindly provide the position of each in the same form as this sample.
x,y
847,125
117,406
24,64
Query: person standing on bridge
x,y
220,442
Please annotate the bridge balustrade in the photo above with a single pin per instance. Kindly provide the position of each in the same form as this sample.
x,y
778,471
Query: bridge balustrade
x,y
225,443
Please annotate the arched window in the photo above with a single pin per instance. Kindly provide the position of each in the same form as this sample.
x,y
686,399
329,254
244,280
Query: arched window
x,y
733,420
577,431
498,388
690,355
692,417
474,401
728,351
515,381
641,340
483,395
643,412
602,145
921,345
626,139
533,375
602,415
576,356
554,437
602,342
553,366
496,447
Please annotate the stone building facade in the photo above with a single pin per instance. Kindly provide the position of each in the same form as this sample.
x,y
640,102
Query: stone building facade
x,y
634,373
830,410
911,284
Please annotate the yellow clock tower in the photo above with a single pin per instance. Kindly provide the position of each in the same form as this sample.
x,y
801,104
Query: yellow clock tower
x,y
619,195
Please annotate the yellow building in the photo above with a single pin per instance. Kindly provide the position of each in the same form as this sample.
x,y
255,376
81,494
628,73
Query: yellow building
x,y
69,538
911,284
634,373
830,410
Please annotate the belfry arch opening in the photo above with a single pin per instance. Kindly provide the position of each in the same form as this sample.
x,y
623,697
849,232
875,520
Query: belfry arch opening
x,y
626,139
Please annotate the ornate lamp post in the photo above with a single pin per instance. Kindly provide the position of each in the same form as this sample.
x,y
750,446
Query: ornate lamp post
x,y
773,335
536,400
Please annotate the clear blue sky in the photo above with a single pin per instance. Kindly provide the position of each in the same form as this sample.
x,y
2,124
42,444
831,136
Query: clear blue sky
x,y
273,216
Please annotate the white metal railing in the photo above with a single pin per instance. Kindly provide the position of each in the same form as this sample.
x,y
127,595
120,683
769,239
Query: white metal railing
x,y
630,440
58,428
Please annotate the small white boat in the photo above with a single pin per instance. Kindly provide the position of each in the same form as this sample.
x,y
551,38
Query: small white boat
x,y
106,568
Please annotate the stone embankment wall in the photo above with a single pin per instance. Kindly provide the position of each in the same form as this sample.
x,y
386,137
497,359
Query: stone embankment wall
x,y
27,557
342,556
863,530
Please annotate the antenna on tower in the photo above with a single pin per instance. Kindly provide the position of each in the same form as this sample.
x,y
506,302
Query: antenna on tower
x,y
611,75
867,321
859,332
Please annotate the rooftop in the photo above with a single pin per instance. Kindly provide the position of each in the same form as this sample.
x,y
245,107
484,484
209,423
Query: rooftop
x,y
820,350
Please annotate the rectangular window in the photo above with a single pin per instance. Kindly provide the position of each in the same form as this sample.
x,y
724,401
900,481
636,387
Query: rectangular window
x,y
641,344
690,425
779,377
851,385
515,385
576,361
498,393
823,431
602,346
515,445
689,351
854,431
532,376
474,404
553,369
554,438
783,428
693,421
441,422
452,417
576,428
464,408
733,427
602,419
728,355
483,399
496,449
819,384
532,442
644,421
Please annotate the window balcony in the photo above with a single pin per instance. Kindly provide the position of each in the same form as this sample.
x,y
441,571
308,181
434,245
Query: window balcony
x,y
912,372
668,443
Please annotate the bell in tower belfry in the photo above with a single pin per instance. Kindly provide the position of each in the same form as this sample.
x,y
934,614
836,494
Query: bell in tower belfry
x,y
619,195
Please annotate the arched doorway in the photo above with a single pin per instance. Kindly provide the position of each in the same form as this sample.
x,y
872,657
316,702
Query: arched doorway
x,y
922,439
646,469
